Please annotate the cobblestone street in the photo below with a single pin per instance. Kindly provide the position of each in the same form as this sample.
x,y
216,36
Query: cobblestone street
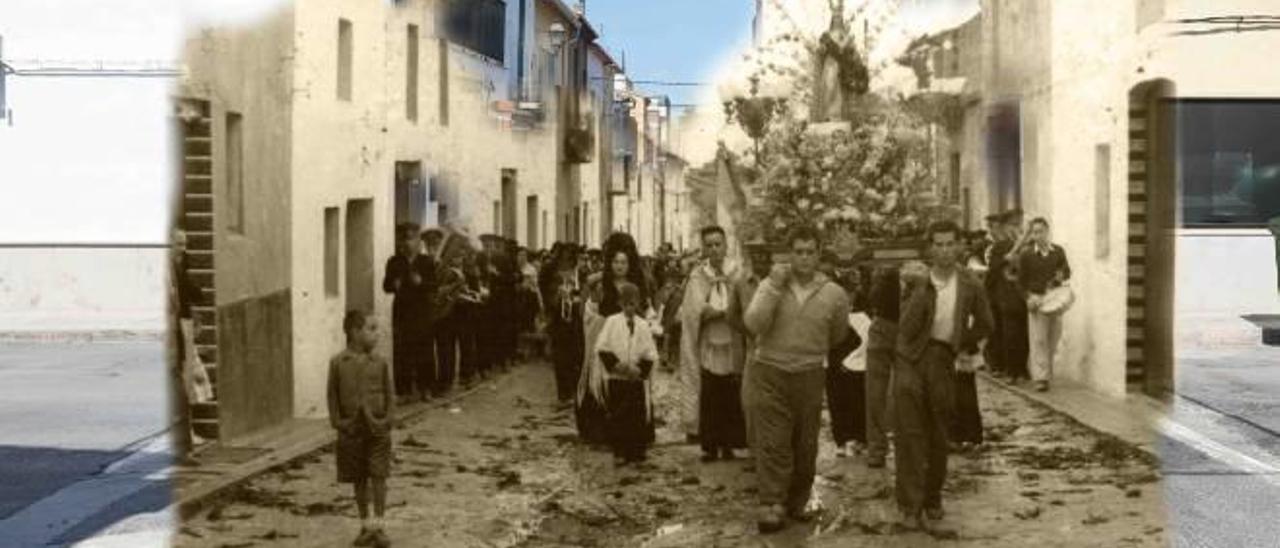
x,y
503,468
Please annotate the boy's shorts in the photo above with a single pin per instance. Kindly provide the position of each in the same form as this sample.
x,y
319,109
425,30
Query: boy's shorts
x,y
363,453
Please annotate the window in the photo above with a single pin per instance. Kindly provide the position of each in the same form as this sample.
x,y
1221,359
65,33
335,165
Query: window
x,y
345,52
235,173
531,220
1102,200
1228,162
359,255
478,25
444,81
331,251
953,193
411,74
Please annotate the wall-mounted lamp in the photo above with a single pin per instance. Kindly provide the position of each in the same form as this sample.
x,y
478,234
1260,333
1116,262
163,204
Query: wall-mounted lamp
x,y
558,35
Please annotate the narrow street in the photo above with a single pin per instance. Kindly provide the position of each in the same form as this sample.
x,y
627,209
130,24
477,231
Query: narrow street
x,y
502,468
80,444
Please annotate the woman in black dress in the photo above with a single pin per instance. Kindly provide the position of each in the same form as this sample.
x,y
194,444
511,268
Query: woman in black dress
x,y
622,264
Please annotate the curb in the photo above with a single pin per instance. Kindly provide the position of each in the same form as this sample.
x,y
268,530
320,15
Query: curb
x,y
190,504
1148,450
87,336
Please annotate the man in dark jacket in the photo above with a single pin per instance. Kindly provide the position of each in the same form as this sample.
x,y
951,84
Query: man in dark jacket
x,y
410,276
945,314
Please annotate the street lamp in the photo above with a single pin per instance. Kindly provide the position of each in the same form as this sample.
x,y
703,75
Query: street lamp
x,y
558,35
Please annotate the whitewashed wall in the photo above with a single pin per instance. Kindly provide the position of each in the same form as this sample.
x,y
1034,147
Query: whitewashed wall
x,y
82,289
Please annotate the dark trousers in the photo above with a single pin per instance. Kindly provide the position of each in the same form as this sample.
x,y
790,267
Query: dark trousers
x,y
992,354
488,336
180,409
629,424
966,424
469,342
846,395
446,343
784,410
879,375
567,354
924,395
1014,343
720,421
413,358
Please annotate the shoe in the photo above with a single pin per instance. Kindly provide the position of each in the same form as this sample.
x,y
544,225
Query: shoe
x,y
876,461
934,514
771,520
1042,386
727,454
911,521
709,456
187,461
801,516
381,540
366,538
841,451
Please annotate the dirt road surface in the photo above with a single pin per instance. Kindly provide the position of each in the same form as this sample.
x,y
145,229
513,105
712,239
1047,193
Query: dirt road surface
x,y
503,469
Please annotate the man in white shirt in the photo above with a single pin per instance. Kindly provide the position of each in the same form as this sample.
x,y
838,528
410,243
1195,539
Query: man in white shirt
x,y
945,314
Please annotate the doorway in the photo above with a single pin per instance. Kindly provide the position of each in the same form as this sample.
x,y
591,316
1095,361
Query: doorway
x,y
411,194
1004,155
531,223
510,211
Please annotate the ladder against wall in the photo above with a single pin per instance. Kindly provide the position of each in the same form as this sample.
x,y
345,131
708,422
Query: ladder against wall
x,y
1152,209
196,133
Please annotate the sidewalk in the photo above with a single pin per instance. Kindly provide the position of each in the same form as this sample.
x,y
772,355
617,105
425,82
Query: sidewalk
x,y
1133,419
225,466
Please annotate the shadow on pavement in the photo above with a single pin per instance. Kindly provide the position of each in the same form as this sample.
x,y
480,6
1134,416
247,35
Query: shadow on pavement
x,y
32,473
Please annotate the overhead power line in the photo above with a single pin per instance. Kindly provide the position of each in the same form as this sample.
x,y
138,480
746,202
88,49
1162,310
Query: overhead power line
x,y
90,68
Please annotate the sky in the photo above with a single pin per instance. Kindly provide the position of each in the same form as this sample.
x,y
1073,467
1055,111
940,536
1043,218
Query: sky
x,y
673,40
693,40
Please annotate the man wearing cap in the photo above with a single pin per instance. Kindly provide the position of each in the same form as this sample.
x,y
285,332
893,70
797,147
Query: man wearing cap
x,y
451,252
1009,332
761,258
410,276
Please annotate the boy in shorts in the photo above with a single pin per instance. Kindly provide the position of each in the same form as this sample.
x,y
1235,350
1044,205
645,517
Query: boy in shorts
x,y
361,403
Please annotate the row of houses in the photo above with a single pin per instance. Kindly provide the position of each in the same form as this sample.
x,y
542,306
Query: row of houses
x,y
1143,131
306,137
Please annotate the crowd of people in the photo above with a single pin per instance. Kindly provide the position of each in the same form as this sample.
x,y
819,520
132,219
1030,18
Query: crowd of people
x,y
755,349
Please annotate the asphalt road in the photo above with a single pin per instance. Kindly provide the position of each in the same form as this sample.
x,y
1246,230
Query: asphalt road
x,y
71,411
1225,489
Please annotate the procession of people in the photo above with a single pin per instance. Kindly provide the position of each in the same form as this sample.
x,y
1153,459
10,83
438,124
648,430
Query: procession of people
x,y
756,346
